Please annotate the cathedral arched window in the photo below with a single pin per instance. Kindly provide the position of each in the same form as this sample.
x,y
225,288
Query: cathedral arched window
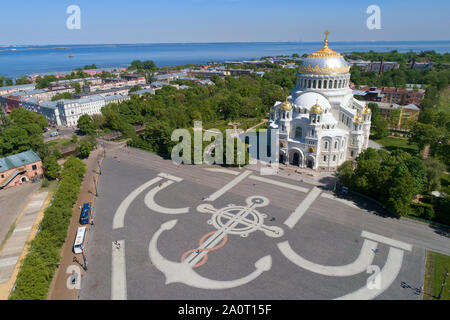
x,y
336,145
298,132
309,83
340,84
335,84
320,84
314,84
326,145
325,84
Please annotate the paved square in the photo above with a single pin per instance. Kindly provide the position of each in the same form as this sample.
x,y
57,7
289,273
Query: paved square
x,y
193,232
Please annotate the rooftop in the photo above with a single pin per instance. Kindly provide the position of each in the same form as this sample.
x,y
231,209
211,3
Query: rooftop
x,y
18,160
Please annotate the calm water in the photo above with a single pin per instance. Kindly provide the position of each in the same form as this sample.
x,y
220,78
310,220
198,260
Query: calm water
x,y
27,60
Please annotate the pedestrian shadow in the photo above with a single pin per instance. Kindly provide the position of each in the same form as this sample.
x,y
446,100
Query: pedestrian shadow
x,y
417,291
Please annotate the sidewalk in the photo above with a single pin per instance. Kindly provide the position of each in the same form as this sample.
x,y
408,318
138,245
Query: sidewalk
x,y
17,246
58,288
298,174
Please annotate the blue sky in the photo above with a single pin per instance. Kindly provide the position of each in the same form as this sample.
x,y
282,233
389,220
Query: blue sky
x,y
161,21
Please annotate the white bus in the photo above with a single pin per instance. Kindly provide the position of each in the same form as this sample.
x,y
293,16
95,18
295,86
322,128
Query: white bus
x,y
78,246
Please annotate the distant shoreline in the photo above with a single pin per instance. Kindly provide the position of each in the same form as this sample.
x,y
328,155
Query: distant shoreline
x,y
18,61
74,45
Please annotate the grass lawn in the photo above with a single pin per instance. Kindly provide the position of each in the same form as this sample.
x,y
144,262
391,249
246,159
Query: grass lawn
x,y
223,124
391,144
434,275
444,101
58,143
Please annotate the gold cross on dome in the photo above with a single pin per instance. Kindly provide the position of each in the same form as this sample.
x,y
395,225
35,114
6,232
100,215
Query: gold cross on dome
x,y
326,33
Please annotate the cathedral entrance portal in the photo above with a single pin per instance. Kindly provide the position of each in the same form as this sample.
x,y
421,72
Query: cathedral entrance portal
x,y
295,156
310,163
296,160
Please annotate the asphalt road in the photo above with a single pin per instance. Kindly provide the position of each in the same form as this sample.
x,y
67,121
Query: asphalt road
x,y
328,234
12,202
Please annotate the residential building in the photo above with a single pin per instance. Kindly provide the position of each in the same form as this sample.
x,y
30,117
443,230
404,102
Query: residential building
x,y
19,168
381,66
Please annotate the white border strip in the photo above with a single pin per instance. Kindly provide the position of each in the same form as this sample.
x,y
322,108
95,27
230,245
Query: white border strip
x,y
385,240
280,184
228,186
119,216
118,272
170,177
301,209
235,173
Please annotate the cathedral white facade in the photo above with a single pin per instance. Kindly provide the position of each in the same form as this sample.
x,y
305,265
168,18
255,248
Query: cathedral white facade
x,y
321,124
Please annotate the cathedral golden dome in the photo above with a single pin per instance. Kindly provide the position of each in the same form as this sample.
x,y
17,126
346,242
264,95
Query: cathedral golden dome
x,y
324,61
316,109
367,110
286,106
358,118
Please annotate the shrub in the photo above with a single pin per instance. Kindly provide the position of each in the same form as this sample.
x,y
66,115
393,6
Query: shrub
x,y
45,183
423,210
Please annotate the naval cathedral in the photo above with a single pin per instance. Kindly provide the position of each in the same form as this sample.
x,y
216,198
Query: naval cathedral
x,y
321,124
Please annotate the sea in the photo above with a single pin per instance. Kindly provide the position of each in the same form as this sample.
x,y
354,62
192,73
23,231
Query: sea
x,y
17,61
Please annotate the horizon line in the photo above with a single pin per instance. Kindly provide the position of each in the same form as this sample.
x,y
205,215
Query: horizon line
x,y
214,42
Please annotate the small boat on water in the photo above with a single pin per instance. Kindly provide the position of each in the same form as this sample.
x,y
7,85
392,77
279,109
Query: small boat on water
x,y
70,55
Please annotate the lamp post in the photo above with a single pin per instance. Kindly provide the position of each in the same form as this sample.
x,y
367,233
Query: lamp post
x,y
443,283
239,159
335,181
95,186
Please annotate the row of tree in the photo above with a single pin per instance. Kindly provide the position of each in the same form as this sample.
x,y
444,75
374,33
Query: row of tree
x,y
36,273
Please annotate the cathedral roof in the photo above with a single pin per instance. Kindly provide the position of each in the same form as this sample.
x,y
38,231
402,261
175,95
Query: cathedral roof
x,y
287,106
309,99
367,110
316,109
324,61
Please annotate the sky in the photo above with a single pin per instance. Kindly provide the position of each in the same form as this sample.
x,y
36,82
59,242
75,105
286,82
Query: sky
x,y
31,22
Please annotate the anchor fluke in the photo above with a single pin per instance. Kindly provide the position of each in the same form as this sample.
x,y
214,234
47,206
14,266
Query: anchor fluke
x,y
169,224
264,264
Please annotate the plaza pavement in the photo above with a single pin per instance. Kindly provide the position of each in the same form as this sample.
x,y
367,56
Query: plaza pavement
x,y
321,253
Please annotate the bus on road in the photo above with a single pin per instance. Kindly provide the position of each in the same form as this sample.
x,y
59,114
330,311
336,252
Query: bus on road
x,y
78,246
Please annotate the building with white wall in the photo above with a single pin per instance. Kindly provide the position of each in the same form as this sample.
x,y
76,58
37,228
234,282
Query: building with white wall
x,y
321,124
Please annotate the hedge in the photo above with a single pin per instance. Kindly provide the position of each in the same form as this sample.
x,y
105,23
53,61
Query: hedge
x,y
422,210
38,268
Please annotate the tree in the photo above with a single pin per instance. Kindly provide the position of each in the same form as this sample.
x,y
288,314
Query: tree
x,y
134,89
380,127
418,171
64,95
24,117
423,135
74,138
399,191
86,124
14,140
76,86
84,148
435,169
52,168
23,80
346,173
